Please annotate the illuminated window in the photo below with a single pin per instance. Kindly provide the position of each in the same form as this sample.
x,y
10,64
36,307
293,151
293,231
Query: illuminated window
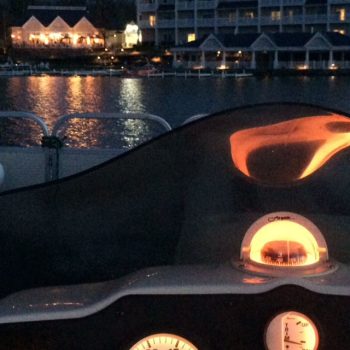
x,y
249,14
152,20
275,15
191,37
342,14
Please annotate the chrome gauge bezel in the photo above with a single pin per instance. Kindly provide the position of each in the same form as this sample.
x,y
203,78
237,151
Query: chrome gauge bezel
x,y
315,270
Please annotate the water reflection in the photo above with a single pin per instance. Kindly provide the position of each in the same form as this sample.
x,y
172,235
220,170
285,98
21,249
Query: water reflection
x,y
116,133
20,132
174,99
51,97
83,94
131,92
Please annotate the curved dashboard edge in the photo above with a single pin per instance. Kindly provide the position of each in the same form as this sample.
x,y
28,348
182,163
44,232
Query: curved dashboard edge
x,y
78,301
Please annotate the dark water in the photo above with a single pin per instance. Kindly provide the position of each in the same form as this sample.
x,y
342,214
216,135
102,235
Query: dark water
x,y
174,99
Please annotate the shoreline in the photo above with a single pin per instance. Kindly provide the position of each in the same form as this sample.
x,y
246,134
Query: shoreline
x,y
205,73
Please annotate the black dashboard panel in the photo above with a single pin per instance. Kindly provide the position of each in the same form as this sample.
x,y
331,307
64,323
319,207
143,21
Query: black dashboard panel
x,y
210,322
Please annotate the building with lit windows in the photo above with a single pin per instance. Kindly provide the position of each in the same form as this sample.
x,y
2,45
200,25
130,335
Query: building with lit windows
x,y
175,22
265,51
56,27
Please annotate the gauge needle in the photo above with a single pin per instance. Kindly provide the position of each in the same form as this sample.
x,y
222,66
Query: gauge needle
x,y
292,342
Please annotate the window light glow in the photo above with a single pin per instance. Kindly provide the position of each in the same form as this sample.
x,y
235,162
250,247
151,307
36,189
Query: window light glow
x,y
191,37
342,14
75,39
152,20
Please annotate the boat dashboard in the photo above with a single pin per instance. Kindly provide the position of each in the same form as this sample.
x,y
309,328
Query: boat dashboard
x,y
231,232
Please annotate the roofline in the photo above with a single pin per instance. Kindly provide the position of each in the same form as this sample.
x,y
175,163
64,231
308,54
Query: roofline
x,y
266,36
318,35
249,49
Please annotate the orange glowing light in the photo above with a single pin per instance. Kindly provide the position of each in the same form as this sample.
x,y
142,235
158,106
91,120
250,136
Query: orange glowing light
x,y
291,150
284,239
156,60
75,39
284,243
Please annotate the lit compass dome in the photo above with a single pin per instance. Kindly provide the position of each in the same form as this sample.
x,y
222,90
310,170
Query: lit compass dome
x,y
284,243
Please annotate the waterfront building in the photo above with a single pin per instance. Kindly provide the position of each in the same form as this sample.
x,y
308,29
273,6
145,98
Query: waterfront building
x,y
174,22
56,27
125,38
266,51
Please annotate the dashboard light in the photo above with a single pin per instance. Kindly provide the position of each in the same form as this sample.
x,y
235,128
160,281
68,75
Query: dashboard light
x,y
163,341
291,330
284,240
284,243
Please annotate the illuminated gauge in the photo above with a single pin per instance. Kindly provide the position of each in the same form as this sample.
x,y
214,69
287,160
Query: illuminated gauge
x,y
284,241
163,341
291,331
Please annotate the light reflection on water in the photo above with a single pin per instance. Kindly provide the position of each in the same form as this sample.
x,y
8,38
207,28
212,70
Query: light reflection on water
x,y
130,94
174,99
107,133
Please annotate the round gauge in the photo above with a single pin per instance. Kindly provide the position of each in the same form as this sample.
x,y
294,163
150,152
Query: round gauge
x,y
284,242
163,341
291,331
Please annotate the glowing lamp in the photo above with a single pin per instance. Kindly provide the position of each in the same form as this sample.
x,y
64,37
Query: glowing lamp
x,y
284,241
302,67
75,39
223,67
131,29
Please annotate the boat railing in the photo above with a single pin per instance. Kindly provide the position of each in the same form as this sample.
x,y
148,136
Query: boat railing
x,y
77,142
23,160
194,118
26,115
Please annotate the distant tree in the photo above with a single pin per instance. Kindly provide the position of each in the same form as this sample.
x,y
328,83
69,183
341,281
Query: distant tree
x,y
112,13
10,10
17,7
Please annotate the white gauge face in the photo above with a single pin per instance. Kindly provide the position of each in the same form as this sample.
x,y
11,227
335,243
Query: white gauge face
x,y
291,331
163,341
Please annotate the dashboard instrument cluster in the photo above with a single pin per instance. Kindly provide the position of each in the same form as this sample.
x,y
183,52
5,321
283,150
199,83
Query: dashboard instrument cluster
x,y
204,308
287,317
230,234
